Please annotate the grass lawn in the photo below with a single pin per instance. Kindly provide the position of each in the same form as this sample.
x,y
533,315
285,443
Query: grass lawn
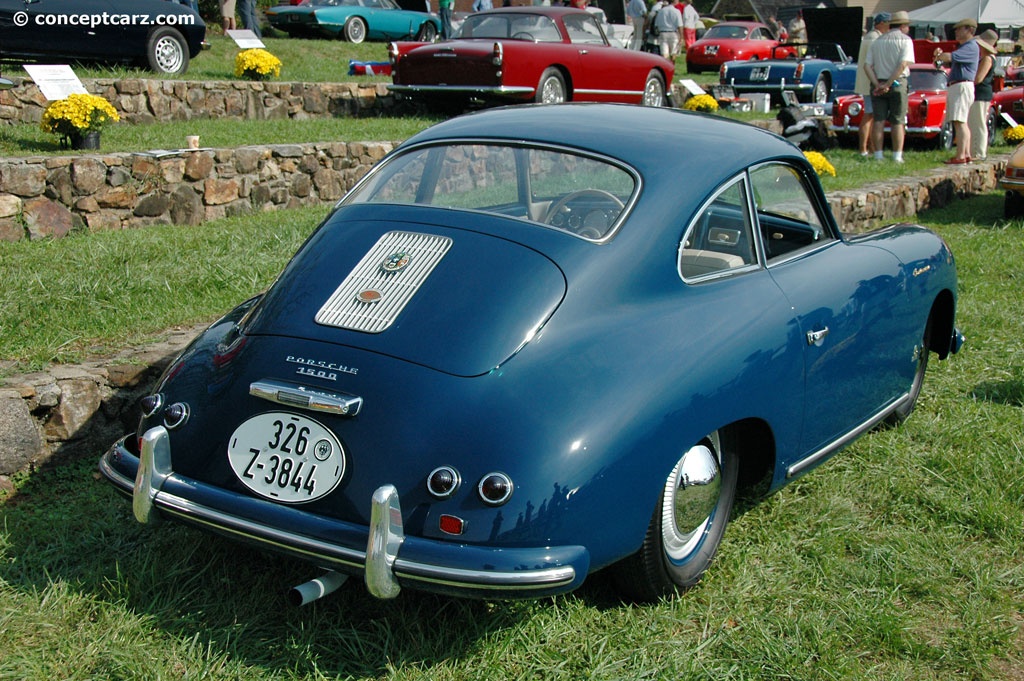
x,y
901,558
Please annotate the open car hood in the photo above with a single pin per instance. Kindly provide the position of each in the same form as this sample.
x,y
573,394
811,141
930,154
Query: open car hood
x,y
458,301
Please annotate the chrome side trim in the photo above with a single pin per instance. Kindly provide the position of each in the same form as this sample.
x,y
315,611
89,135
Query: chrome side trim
x,y
386,537
391,288
303,397
154,467
832,447
480,89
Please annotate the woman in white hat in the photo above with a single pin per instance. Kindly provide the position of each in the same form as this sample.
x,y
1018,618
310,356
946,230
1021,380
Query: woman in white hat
x,y
977,120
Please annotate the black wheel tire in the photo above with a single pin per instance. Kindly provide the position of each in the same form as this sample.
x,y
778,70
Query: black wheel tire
x,y
903,412
670,560
427,33
945,139
820,93
1013,206
654,90
167,51
355,30
694,69
993,124
551,88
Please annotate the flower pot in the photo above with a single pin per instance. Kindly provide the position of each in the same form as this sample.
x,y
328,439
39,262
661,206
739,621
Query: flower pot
x,y
88,140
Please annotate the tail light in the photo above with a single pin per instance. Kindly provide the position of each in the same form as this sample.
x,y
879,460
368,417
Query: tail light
x,y
393,53
495,488
498,55
799,73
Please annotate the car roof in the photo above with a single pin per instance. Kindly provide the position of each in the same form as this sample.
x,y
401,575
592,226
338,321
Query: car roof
x,y
539,9
658,142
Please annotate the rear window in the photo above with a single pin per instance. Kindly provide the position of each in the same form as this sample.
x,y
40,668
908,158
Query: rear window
x,y
584,195
532,27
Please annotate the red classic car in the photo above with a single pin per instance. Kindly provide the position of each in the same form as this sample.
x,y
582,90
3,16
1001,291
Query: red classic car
x,y
728,41
1010,102
926,110
520,54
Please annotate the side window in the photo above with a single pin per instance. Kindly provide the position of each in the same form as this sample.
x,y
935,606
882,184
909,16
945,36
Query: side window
x,y
583,30
786,215
720,238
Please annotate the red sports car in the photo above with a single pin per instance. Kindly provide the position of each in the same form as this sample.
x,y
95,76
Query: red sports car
x,y
522,54
727,41
1010,102
926,110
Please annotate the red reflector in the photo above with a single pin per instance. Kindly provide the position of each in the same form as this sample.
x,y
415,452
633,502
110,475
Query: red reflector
x,y
449,524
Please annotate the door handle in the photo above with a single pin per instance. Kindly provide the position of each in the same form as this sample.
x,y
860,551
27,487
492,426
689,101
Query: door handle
x,y
816,338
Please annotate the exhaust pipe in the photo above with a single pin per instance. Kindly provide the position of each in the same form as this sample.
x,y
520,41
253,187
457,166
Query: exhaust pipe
x,y
316,588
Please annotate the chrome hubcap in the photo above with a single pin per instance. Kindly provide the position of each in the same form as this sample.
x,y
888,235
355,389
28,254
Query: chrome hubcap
x,y
553,92
690,499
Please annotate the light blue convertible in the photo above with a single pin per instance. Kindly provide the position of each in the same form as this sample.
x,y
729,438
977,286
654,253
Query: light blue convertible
x,y
354,20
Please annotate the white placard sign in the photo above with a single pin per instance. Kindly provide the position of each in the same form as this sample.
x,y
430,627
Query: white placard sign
x,y
55,81
691,86
245,39
1008,119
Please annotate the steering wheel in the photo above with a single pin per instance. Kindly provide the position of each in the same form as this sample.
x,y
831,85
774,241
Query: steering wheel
x,y
524,35
587,212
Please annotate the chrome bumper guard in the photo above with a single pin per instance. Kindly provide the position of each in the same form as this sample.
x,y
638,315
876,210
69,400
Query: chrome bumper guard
x,y
153,495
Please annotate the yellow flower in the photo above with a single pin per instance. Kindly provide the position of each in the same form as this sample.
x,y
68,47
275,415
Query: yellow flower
x,y
78,114
705,103
257,64
820,163
1014,135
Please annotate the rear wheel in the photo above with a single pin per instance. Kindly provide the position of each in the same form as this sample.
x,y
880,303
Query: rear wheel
x,y
551,89
1013,205
945,139
355,30
819,95
654,90
167,51
688,523
427,33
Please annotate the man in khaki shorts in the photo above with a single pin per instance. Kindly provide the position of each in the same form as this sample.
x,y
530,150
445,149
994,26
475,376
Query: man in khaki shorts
x,y
888,68
963,63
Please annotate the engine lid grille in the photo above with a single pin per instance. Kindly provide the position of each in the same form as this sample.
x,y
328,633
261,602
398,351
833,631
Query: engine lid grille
x,y
380,286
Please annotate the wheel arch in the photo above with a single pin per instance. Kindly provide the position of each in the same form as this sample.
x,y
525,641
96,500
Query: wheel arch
x,y
753,442
941,318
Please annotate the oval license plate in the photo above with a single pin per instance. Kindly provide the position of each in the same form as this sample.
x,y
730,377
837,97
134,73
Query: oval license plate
x,y
286,457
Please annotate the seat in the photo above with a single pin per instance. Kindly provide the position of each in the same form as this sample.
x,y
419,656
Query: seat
x,y
695,262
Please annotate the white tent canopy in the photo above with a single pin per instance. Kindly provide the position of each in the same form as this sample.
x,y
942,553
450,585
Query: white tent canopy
x,y
1002,13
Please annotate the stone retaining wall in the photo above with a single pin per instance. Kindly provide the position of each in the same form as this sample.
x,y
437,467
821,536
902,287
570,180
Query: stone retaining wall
x,y
140,100
83,408
50,196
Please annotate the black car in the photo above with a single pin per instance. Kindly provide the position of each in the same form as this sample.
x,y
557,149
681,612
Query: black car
x,y
156,33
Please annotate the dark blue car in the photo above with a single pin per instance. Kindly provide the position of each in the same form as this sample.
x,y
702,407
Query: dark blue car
x,y
815,72
539,341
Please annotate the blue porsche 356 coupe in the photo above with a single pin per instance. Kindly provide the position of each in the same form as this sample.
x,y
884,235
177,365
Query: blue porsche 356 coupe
x,y
536,342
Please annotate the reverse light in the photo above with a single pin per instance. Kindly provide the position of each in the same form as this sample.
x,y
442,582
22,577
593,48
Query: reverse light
x,y
443,482
151,404
176,415
495,488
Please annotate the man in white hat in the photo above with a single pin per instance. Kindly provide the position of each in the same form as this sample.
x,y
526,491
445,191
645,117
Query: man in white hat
x,y
963,63
888,67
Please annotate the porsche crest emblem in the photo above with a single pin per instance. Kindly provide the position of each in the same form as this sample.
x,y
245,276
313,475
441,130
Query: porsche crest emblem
x,y
396,262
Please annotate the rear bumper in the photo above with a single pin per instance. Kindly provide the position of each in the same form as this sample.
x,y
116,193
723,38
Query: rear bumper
x,y
381,552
